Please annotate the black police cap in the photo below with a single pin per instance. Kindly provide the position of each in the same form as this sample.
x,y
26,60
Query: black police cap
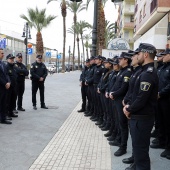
x,y
10,56
92,58
131,52
148,48
87,60
108,60
125,55
160,54
39,56
19,55
99,57
167,51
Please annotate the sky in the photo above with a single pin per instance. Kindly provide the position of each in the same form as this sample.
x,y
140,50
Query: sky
x,y
52,35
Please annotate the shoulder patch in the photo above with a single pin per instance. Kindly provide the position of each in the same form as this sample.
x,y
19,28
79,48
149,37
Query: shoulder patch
x,y
126,79
129,69
150,69
144,86
102,66
16,65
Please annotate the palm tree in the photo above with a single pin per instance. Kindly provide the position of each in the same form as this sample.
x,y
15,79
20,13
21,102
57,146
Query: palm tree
x,y
64,14
87,37
38,19
75,8
83,25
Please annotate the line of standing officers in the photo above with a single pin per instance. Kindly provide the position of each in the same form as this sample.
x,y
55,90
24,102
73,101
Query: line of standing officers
x,y
128,95
12,85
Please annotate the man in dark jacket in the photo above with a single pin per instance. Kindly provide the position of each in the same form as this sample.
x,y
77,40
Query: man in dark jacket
x,y
38,75
21,73
4,86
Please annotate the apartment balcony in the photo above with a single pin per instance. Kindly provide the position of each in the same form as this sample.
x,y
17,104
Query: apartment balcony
x,y
128,25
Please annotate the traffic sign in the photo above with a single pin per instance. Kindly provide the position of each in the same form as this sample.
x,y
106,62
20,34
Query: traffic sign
x,y
30,51
48,54
59,56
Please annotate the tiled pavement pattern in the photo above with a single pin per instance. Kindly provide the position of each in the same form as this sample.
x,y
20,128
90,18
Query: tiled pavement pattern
x,y
78,145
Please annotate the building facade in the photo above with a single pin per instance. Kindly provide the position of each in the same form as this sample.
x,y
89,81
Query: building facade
x,y
125,21
152,23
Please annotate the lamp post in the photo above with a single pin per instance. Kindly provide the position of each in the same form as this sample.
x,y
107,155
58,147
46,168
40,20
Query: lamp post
x,y
56,59
69,51
27,35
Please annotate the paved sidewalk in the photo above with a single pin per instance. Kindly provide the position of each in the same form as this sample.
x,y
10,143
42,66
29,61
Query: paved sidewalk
x,y
78,145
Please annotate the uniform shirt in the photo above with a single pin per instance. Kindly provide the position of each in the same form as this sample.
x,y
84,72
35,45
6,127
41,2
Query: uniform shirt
x,y
111,80
89,76
21,71
4,77
98,71
135,74
144,96
104,81
38,70
164,80
12,73
122,82
84,74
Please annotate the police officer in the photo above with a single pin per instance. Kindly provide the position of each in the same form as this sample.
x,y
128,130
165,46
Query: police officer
x,y
117,94
83,86
98,71
4,86
163,106
21,73
141,109
11,92
38,75
113,131
108,64
128,97
90,90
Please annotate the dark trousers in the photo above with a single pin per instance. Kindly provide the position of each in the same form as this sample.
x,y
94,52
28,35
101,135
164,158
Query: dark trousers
x,y
164,120
98,111
35,86
140,133
11,100
84,96
20,92
3,95
112,113
90,94
123,123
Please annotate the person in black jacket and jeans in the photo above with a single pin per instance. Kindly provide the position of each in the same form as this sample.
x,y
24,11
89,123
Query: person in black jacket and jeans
x,y
22,72
38,75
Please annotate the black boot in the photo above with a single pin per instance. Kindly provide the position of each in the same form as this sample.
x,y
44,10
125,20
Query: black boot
x,y
81,110
129,160
105,128
99,122
108,134
131,167
121,151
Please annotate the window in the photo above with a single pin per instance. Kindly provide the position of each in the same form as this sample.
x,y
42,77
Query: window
x,y
140,18
153,5
132,18
144,10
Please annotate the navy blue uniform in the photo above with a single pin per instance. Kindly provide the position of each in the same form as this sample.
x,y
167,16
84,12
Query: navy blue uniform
x,y
38,70
4,79
21,73
11,92
163,105
119,90
142,111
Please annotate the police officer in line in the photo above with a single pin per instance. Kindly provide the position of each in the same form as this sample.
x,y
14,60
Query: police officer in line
x,y
117,94
22,72
98,71
142,107
101,88
38,75
163,106
90,90
114,129
83,86
154,134
136,71
4,86
11,92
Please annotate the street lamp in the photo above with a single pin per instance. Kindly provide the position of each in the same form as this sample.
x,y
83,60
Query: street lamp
x,y
27,35
56,60
94,31
69,51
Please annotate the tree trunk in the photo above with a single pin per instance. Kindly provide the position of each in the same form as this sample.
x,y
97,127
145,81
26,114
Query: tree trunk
x,y
83,48
39,44
87,54
64,44
78,49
